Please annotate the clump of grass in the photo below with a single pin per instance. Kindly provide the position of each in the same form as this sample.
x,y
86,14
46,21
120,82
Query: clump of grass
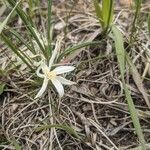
x,y
104,13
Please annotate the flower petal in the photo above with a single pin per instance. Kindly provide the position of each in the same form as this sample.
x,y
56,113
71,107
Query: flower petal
x,y
38,72
51,61
44,68
64,81
57,48
58,87
43,88
63,69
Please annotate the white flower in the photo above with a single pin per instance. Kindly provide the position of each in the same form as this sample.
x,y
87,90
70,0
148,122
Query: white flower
x,y
53,76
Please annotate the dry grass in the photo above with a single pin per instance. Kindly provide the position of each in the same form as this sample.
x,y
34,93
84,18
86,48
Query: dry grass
x,y
96,107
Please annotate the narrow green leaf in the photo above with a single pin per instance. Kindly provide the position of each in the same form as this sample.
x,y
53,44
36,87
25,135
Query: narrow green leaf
x,y
120,51
98,11
134,116
21,39
117,36
49,26
138,5
74,48
31,7
3,24
29,25
107,12
136,15
16,51
2,86
66,128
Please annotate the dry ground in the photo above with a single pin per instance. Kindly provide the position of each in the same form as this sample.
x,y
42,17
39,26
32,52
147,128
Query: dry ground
x,y
96,107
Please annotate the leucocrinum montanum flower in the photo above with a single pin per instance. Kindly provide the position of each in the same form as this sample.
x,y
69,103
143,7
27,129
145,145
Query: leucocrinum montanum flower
x,y
44,71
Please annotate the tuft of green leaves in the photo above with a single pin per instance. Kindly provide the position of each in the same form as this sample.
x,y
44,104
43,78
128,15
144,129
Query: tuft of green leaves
x,y
37,44
104,12
29,25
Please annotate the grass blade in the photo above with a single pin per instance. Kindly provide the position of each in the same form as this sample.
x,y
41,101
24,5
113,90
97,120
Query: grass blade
x,y
2,86
104,13
134,116
49,26
21,39
117,36
3,24
98,11
66,128
16,51
137,11
29,25
107,11
74,48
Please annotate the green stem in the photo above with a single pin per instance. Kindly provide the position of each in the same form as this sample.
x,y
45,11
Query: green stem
x,y
49,27
15,50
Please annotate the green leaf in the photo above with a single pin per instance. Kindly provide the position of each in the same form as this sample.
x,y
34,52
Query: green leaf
x,y
17,51
66,128
135,20
49,25
3,24
71,50
120,51
29,25
117,36
21,39
2,86
98,11
107,12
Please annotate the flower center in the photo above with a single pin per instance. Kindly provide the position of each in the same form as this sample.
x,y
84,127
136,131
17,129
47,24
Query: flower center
x,y
51,75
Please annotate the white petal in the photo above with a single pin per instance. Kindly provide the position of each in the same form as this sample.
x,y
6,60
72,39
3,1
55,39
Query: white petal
x,y
58,87
38,72
57,48
43,88
44,67
64,81
63,69
53,57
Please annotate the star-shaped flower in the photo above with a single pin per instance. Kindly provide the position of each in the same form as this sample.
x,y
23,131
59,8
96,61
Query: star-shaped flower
x,y
53,75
